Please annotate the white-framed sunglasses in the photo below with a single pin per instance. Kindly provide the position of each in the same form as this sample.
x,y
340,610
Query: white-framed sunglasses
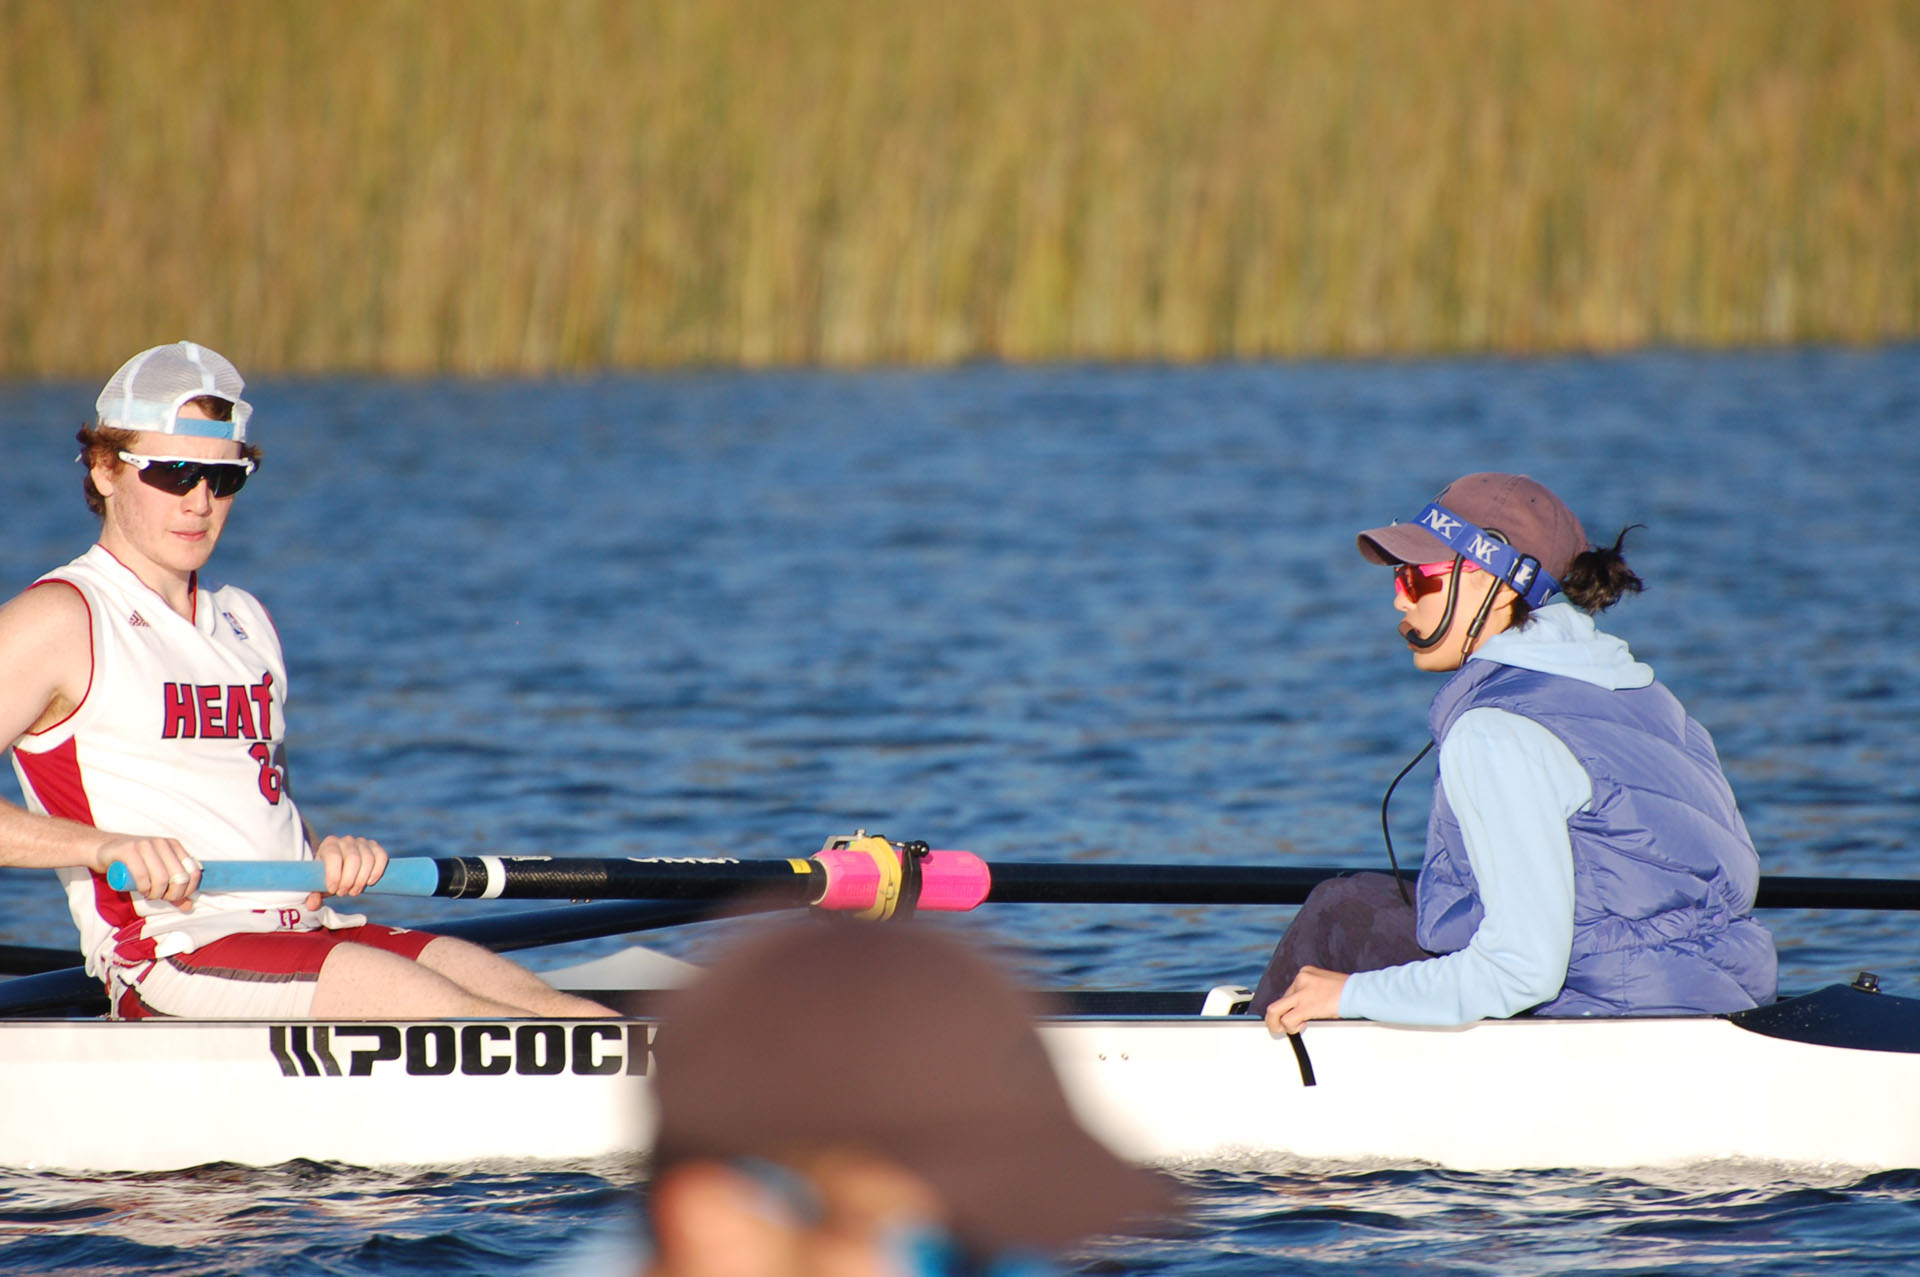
x,y
178,476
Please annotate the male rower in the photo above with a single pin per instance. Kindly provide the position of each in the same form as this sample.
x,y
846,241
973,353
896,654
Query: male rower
x,y
853,1098
146,711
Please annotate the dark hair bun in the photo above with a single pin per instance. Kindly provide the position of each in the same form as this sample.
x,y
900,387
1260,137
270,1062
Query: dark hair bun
x,y
1598,577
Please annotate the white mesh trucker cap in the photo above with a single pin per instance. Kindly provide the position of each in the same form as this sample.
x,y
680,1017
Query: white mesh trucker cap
x,y
147,392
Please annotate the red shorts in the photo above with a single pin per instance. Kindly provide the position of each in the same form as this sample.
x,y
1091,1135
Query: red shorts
x,y
263,975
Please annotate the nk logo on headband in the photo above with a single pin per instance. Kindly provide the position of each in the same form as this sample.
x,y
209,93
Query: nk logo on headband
x,y
1491,551
1482,549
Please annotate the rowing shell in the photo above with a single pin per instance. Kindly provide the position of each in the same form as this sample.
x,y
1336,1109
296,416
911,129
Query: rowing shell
x,y
1510,1094
1823,1079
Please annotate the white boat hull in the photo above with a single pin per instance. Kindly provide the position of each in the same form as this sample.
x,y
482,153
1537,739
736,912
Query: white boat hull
x,y
161,1095
1504,1095
168,1094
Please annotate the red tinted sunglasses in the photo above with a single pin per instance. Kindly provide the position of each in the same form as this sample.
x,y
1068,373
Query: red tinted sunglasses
x,y
1417,580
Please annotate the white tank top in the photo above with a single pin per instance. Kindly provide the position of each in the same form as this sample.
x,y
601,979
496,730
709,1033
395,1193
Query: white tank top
x,y
181,734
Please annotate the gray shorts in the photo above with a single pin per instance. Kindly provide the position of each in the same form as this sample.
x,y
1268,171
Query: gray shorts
x,y
1355,923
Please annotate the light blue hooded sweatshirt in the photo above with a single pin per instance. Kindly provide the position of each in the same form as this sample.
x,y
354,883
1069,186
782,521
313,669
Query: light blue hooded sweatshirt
x,y
1513,785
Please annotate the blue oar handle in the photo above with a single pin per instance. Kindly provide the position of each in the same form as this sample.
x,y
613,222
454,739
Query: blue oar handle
x,y
531,877
405,876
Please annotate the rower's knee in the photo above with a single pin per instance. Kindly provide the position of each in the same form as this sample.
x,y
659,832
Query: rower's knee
x,y
486,973
361,982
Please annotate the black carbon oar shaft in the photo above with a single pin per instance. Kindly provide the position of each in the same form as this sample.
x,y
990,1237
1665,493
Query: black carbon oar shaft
x,y
585,878
1064,883
1044,883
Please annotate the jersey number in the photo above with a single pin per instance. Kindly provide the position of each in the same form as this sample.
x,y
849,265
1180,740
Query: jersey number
x,y
271,783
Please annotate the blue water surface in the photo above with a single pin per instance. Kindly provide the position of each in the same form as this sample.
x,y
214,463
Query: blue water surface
x,y
1040,613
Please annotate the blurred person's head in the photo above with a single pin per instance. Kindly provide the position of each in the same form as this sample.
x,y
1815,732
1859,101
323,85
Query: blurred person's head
x,y
840,1098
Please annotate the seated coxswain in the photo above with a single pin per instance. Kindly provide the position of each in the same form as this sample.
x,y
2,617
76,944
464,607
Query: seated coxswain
x,y
1585,855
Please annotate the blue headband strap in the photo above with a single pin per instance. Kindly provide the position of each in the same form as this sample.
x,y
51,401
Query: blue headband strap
x,y
1521,571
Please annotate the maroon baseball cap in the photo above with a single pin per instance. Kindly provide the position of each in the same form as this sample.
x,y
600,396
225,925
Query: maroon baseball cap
x,y
1520,509
906,1044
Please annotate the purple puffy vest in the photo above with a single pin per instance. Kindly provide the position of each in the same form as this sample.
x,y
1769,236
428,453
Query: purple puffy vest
x,y
1664,872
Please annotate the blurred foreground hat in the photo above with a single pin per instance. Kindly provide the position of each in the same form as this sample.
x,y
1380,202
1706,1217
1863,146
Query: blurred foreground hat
x,y
148,391
903,1043
1509,524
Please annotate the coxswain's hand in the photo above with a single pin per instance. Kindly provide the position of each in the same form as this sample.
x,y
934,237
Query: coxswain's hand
x,y
1313,995
161,867
353,865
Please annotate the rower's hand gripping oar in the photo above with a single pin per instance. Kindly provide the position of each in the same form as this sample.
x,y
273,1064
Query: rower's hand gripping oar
x,y
862,874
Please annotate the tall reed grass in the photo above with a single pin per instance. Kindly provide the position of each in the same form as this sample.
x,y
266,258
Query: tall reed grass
x,y
428,185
